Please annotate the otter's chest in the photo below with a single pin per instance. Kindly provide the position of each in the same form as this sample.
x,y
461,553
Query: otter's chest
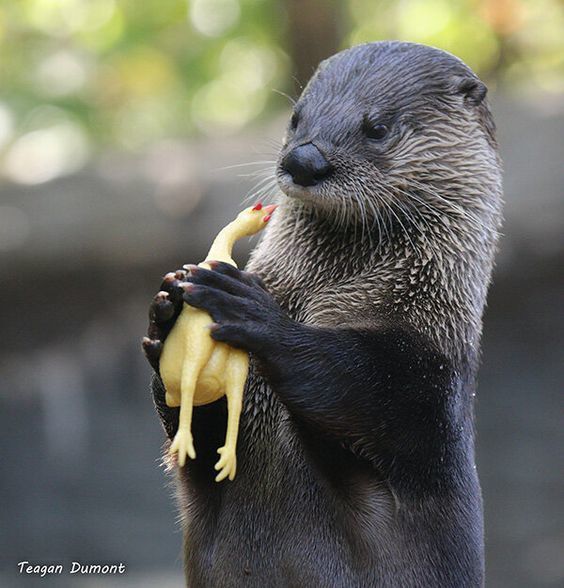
x,y
335,303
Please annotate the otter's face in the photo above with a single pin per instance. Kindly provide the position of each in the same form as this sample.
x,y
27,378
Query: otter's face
x,y
385,127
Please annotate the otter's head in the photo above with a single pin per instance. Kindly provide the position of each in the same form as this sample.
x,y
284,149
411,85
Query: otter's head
x,y
392,130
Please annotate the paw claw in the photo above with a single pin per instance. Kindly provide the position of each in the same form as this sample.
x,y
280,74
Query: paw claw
x,y
162,308
152,349
191,268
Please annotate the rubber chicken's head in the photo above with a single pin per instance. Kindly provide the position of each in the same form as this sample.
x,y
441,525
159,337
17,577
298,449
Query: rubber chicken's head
x,y
254,218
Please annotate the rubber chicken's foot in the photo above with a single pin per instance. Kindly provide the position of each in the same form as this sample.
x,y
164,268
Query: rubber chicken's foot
x,y
227,465
183,445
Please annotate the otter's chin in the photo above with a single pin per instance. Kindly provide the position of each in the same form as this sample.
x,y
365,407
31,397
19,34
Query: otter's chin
x,y
310,194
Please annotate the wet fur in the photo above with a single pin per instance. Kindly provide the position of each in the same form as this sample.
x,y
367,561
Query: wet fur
x,y
356,447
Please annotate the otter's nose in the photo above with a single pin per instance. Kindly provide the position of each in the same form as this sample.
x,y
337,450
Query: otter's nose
x,y
306,164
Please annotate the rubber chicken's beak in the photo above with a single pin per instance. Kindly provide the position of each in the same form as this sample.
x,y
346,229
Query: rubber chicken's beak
x,y
269,210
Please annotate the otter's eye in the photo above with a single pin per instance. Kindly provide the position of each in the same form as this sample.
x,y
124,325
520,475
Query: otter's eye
x,y
294,121
375,131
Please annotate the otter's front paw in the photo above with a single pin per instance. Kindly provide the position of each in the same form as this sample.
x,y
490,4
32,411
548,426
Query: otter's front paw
x,y
163,312
245,313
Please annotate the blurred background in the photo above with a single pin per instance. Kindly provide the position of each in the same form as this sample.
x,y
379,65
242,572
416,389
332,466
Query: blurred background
x,y
130,132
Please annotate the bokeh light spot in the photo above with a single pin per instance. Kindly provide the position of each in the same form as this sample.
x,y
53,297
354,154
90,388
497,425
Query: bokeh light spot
x,y
213,17
248,64
223,105
61,73
42,155
6,125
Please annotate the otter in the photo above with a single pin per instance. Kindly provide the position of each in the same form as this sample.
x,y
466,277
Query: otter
x,y
362,309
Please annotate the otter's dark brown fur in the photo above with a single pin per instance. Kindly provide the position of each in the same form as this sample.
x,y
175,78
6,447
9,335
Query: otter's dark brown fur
x,y
356,451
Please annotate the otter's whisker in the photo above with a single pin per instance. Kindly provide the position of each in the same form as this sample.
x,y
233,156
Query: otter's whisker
x,y
363,202
266,172
264,185
227,167
292,100
414,222
408,212
392,204
376,221
451,206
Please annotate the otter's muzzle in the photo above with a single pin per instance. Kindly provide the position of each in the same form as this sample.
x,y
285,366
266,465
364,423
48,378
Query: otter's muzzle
x,y
306,164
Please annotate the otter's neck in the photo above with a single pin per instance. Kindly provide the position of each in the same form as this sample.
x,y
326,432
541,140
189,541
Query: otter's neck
x,y
432,275
308,246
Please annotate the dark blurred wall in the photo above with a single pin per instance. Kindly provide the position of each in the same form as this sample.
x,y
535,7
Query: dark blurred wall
x,y
80,258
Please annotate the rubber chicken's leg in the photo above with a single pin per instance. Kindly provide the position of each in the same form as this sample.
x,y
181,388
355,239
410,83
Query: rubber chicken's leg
x,y
236,372
197,356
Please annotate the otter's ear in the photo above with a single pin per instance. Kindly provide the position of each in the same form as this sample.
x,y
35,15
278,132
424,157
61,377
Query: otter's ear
x,y
472,89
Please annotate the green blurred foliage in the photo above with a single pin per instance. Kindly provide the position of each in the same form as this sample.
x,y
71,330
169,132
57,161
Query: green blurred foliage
x,y
79,75
511,42
132,71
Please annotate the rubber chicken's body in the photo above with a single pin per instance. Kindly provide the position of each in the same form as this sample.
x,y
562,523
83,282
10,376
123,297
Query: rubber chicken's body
x,y
197,370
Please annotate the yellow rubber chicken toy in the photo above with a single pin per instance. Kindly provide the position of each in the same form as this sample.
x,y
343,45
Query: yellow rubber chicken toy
x,y
196,369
